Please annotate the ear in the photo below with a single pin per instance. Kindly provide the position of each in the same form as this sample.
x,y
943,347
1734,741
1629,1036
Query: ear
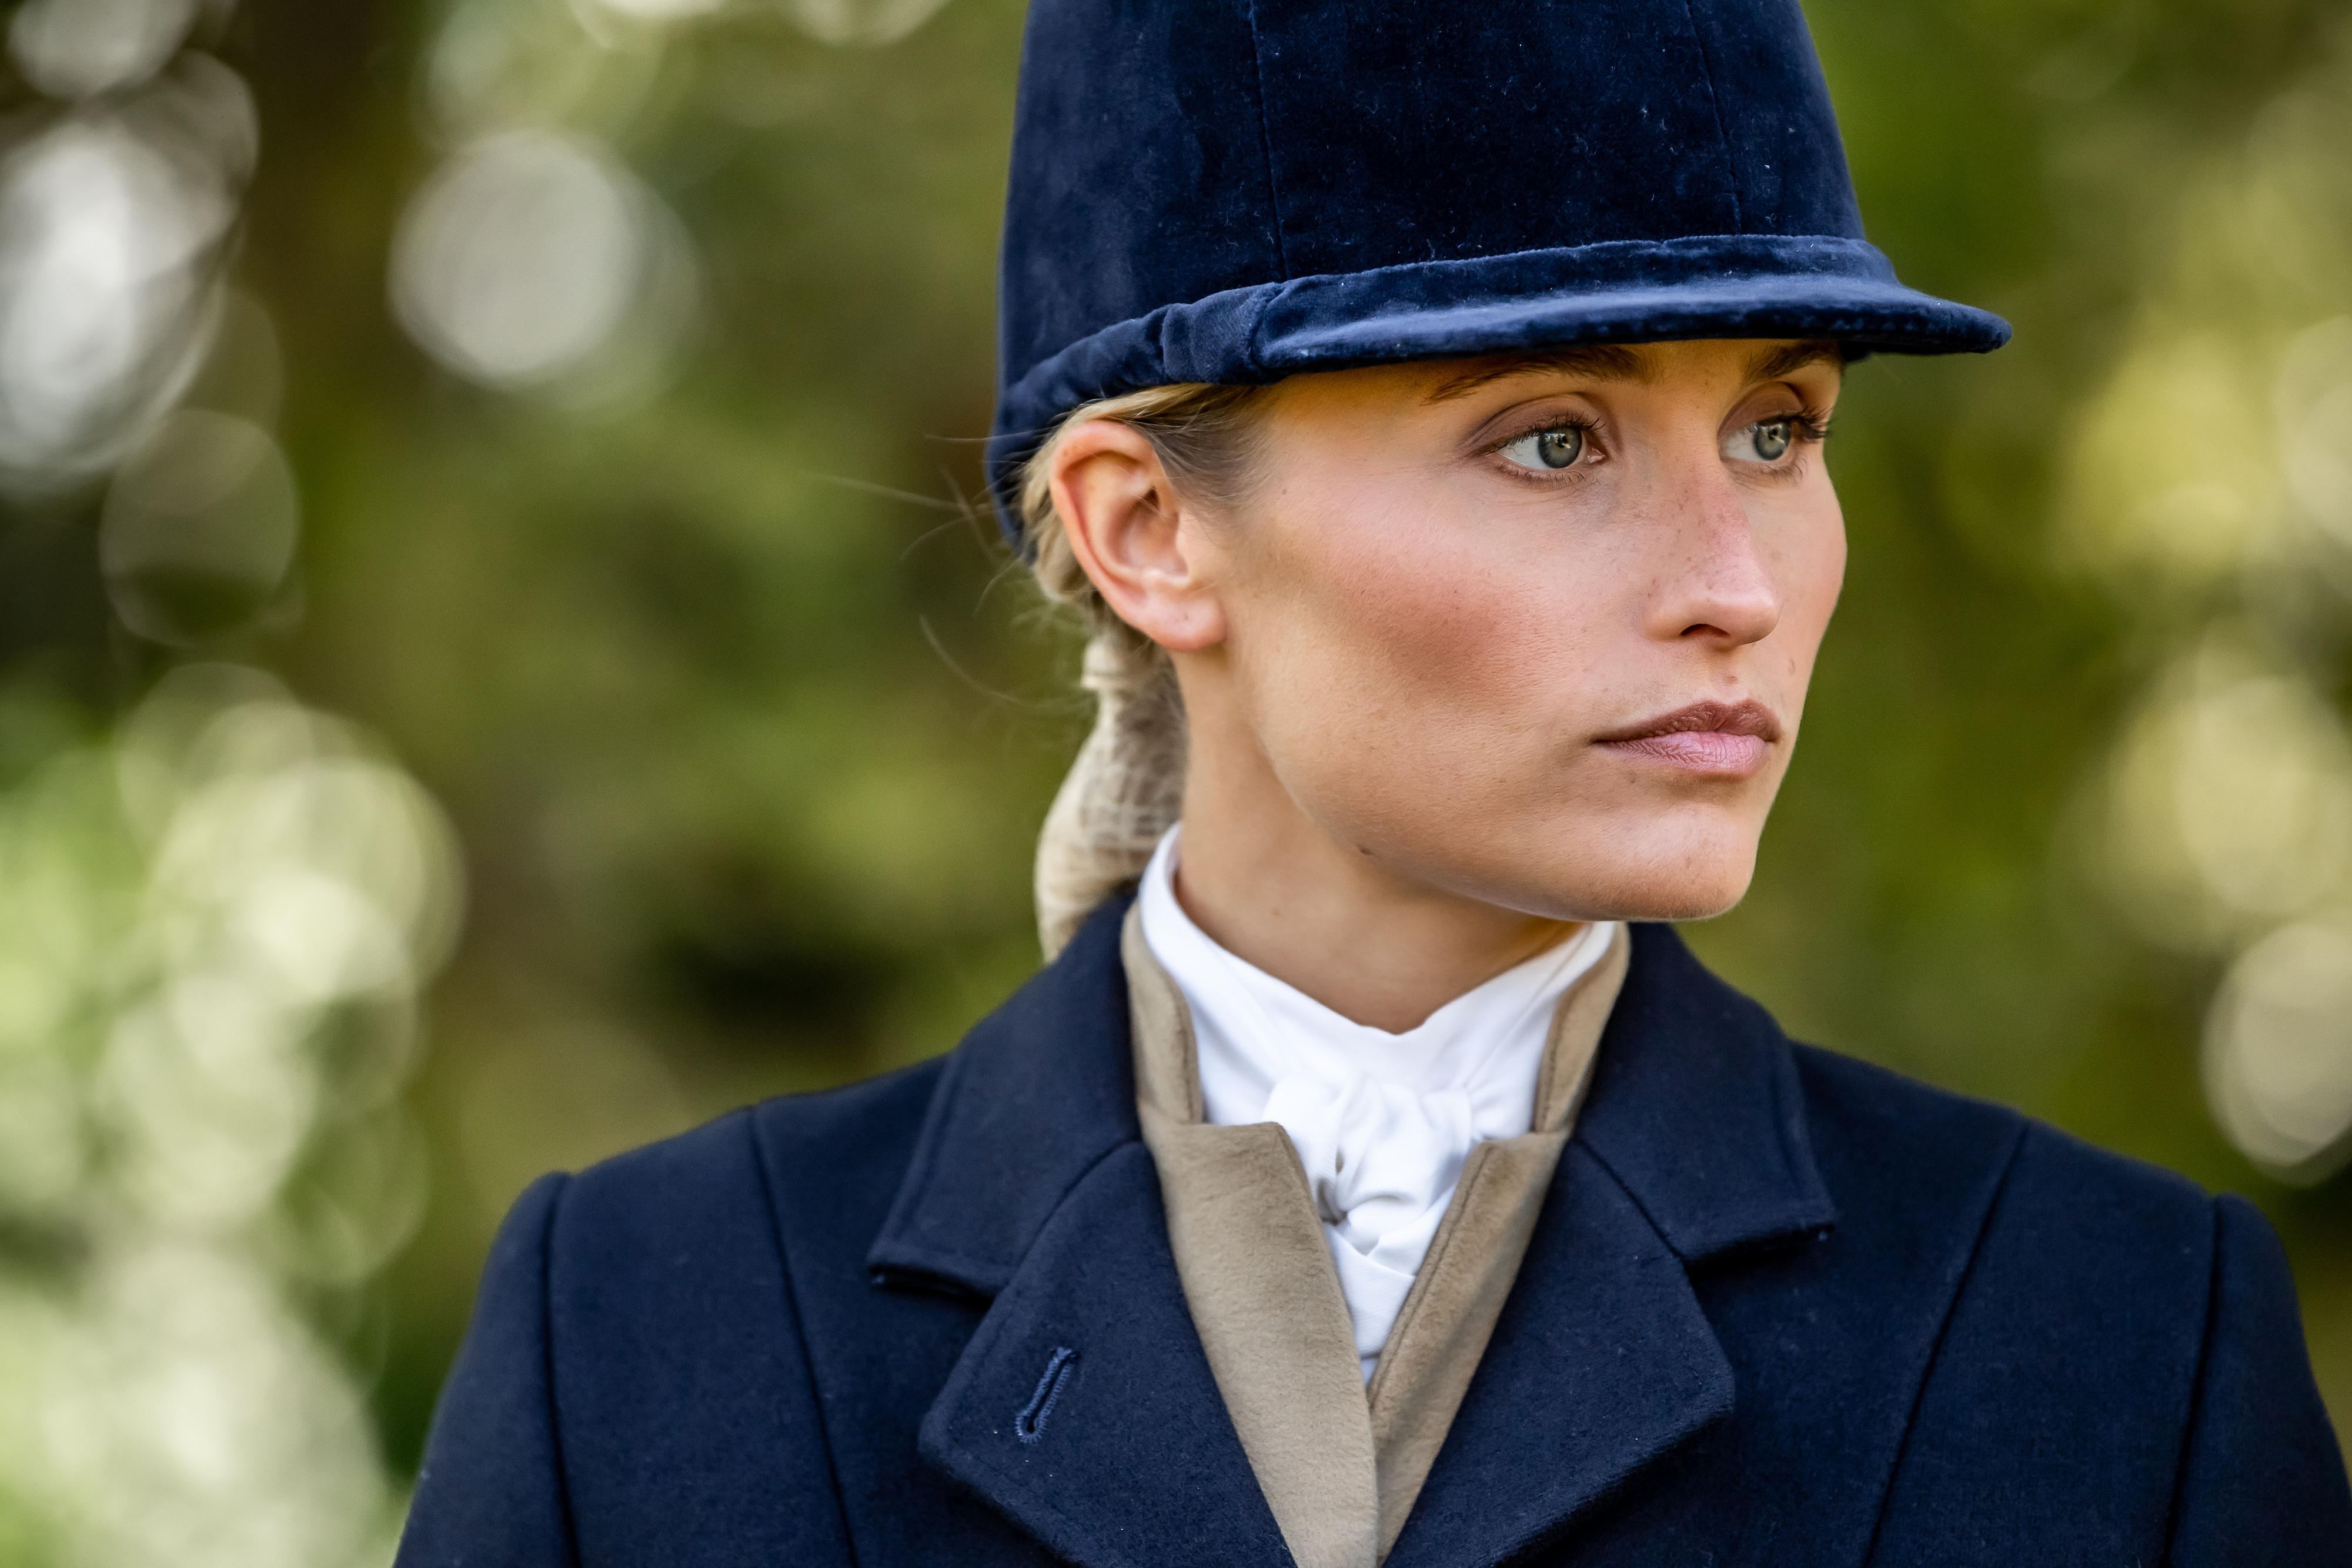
x,y
1133,535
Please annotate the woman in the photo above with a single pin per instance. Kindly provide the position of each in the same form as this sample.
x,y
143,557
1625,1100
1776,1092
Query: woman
x,y
1425,405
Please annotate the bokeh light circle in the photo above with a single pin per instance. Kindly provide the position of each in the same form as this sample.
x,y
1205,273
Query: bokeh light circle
x,y
2278,1049
199,527
102,241
74,48
868,22
526,257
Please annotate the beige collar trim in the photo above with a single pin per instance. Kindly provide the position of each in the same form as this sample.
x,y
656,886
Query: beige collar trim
x,y
1340,1463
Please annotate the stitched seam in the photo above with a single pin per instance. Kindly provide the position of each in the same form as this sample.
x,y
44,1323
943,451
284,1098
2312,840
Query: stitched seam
x,y
1936,1351
1266,142
1715,104
546,1353
2195,1389
800,1328
1030,1423
1010,1478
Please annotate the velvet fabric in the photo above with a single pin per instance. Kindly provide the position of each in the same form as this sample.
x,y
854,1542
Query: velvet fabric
x,y
1779,1307
1234,191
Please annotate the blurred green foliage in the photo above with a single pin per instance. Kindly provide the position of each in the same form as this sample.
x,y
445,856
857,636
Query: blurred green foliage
x,y
745,721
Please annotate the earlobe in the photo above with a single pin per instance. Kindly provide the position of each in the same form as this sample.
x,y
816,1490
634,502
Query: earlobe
x,y
1133,537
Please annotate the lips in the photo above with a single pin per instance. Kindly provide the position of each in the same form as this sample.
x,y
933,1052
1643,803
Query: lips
x,y
1717,740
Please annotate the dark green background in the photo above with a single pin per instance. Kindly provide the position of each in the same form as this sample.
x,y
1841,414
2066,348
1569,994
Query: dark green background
x,y
747,758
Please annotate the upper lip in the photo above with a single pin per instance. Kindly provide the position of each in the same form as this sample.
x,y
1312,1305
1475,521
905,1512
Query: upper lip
x,y
1749,717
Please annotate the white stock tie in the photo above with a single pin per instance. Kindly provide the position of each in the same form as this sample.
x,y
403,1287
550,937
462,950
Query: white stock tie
x,y
1381,1122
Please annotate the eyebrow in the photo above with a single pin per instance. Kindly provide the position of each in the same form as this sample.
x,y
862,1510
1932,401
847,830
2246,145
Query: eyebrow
x,y
1771,364
1596,362
1611,362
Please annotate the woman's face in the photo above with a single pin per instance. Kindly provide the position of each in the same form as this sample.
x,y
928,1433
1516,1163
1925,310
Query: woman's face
x,y
1536,632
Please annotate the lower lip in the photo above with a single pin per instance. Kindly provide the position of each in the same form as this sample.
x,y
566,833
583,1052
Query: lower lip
x,y
1710,753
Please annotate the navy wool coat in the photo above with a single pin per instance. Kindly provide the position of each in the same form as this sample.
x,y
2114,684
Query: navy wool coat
x,y
1780,1307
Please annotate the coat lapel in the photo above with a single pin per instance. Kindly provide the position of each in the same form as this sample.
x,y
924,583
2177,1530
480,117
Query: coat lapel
x,y
1601,1363
1691,1145
1038,1093
1083,1408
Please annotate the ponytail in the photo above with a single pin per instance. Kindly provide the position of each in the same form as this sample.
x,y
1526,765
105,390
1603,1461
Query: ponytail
x,y
1126,788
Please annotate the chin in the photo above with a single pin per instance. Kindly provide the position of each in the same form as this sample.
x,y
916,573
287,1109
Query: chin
x,y
1676,880
1698,900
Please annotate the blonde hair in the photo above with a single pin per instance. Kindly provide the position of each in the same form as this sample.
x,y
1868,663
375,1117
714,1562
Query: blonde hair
x,y
1126,788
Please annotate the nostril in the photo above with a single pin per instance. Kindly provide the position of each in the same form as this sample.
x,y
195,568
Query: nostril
x,y
1030,1425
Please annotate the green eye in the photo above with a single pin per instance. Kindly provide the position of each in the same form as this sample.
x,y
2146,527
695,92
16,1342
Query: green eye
x,y
1772,438
1547,449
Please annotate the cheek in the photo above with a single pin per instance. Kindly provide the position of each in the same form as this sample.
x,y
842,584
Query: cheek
x,y
1437,625
1390,636
1811,572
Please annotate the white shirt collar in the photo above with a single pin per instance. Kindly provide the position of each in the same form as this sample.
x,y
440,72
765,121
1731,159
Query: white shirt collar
x,y
1381,1122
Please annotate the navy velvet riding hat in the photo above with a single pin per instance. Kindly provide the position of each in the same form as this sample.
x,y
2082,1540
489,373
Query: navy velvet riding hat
x,y
1234,190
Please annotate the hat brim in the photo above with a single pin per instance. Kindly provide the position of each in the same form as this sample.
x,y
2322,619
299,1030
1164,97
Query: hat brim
x,y
1862,313
1627,291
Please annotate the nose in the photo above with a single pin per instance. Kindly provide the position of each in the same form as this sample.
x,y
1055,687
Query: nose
x,y
1713,583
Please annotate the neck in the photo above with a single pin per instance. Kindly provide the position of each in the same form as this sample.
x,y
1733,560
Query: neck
x,y
1274,888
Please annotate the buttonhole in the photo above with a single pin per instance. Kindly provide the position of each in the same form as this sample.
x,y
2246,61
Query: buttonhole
x,y
1030,1425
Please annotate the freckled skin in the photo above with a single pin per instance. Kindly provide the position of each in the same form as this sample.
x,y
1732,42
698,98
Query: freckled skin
x,y
1401,652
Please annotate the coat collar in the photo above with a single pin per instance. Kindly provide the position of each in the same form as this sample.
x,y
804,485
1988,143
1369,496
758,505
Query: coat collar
x,y
1694,1108
1030,1187
1036,1096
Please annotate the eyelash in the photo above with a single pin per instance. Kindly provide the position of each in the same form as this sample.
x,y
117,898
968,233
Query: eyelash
x,y
1808,427
1812,426
1589,429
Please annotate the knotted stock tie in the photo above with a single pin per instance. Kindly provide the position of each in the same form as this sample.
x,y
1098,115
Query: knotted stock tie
x,y
1381,1122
